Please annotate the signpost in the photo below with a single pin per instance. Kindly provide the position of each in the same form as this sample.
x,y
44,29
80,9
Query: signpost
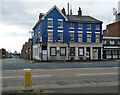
x,y
27,79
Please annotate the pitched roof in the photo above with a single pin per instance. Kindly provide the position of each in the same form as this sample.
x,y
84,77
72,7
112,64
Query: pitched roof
x,y
72,18
84,19
42,18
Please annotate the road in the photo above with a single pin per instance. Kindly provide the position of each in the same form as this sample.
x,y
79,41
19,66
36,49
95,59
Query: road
x,y
52,79
17,64
72,77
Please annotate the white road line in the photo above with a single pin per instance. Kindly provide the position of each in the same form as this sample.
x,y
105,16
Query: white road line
x,y
23,76
43,76
96,74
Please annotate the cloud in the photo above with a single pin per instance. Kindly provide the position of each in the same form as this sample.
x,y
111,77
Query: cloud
x,y
19,16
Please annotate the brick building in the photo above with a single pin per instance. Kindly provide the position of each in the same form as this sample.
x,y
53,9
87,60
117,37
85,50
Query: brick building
x,y
111,41
26,51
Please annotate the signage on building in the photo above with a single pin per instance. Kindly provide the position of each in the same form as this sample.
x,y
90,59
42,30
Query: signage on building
x,y
81,51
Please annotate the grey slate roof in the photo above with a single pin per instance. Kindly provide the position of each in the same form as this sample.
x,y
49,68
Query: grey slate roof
x,y
83,19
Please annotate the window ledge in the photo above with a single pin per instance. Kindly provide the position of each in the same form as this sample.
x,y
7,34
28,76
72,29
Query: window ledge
x,y
50,26
71,28
60,27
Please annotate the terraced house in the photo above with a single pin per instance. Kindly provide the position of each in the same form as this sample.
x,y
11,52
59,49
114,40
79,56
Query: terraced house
x,y
58,36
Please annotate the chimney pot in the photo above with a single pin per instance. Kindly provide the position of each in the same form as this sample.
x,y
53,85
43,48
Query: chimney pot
x,y
79,12
63,11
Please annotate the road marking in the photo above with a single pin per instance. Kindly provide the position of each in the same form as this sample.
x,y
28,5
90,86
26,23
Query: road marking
x,y
23,76
43,76
96,74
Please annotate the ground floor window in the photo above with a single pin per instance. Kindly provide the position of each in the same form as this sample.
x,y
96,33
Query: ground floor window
x,y
72,51
81,51
114,52
62,51
52,51
108,52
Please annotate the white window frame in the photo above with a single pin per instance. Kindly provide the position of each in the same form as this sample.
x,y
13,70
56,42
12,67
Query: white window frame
x,y
62,35
71,32
61,21
81,25
112,43
52,22
48,35
104,42
97,27
73,25
90,26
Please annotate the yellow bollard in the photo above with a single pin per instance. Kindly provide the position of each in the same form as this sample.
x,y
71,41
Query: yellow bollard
x,y
27,79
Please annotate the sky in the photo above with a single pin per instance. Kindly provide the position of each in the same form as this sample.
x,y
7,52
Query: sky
x,y
18,17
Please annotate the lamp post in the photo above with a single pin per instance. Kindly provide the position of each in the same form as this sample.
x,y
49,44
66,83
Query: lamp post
x,y
68,33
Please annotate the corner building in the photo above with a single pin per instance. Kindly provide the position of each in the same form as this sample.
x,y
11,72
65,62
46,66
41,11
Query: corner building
x,y
58,36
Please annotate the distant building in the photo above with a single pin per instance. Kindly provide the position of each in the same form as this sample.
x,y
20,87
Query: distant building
x,y
26,51
111,41
3,53
58,36
118,14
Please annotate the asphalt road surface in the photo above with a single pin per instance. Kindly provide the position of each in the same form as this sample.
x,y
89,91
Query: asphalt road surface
x,y
17,64
70,80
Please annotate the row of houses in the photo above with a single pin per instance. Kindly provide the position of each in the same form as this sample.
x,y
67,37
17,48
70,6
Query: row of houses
x,y
58,36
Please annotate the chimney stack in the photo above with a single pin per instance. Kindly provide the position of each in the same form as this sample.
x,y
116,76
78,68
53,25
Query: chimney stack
x,y
63,11
79,12
41,15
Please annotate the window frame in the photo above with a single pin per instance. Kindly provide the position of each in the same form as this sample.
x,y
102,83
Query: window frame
x,y
55,51
73,35
97,33
70,51
60,20
97,28
112,43
80,32
105,42
88,28
89,37
71,23
118,42
60,31
50,19
60,51
80,24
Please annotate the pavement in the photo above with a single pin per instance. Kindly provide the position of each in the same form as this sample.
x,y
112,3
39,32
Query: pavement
x,y
17,64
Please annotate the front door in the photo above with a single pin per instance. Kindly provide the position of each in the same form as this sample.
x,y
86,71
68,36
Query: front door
x,y
44,53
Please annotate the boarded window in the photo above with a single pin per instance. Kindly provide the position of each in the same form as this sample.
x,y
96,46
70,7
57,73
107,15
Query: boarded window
x,y
60,36
72,51
88,37
79,37
97,38
50,36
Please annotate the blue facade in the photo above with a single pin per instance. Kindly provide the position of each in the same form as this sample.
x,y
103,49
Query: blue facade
x,y
55,15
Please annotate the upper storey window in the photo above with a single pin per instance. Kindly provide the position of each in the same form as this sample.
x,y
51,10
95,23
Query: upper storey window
x,y
79,25
50,22
89,26
97,27
60,23
71,25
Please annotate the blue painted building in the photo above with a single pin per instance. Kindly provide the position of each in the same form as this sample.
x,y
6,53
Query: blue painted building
x,y
58,36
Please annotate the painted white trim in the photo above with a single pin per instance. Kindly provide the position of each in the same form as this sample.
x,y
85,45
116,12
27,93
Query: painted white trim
x,y
49,30
80,31
111,46
60,19
71,31
97,32
111,37
50,18
89,32
60,30
58,11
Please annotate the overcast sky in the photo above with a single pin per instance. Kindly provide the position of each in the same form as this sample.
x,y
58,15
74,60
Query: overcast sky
x,y
19,16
